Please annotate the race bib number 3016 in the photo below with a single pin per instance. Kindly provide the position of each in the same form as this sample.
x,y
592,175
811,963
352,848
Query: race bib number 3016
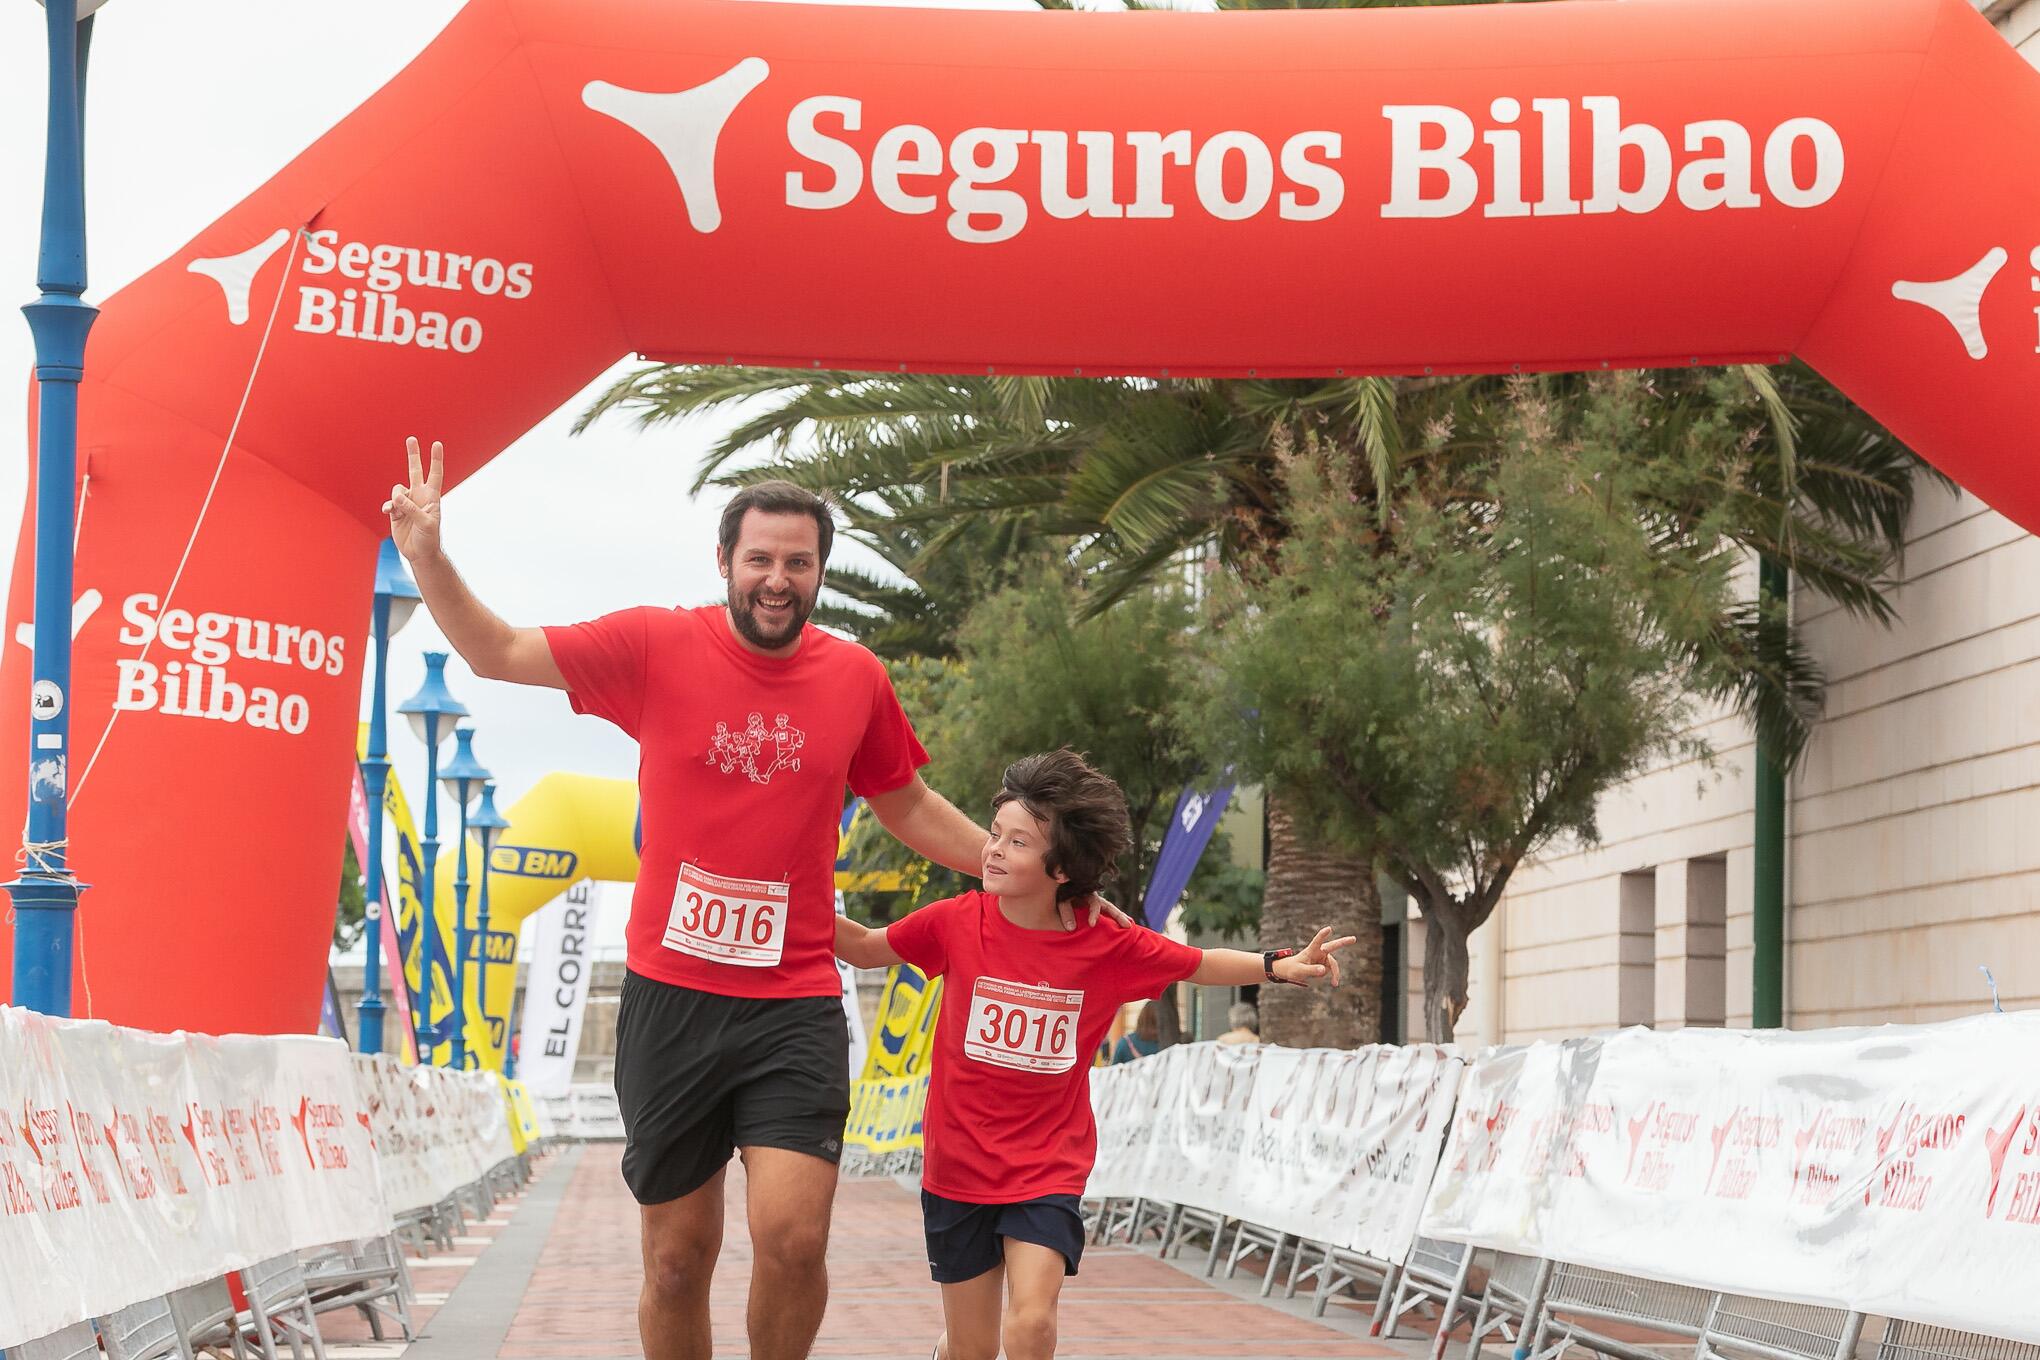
x,y
728,920
1031,1029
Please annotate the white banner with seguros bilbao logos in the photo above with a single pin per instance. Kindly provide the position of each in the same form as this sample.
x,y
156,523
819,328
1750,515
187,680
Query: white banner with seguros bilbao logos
x,y
436,1129
1334,1145
134,1163
1893,1170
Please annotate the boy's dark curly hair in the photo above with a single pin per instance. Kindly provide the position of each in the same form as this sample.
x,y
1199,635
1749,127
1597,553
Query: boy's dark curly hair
x,y
1085,812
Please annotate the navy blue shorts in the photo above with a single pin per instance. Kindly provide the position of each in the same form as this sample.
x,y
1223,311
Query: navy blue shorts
x,y
965,1240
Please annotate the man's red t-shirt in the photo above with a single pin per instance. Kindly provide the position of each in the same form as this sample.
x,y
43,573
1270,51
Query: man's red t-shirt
x,y
742,764
1009,1097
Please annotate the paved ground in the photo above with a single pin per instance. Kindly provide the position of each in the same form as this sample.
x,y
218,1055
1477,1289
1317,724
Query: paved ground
x,y
554,1275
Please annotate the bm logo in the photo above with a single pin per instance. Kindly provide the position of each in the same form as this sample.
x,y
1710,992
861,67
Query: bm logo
x,y
534,861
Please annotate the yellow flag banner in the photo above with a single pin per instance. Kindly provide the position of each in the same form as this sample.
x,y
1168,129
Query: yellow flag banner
x,y
523,1114
905,1033
883,1134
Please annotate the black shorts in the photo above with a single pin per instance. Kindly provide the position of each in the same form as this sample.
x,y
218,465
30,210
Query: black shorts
x,y
699,1075
966,1240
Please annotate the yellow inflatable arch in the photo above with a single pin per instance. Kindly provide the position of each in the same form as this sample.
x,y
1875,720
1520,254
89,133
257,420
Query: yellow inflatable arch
x,y
569,827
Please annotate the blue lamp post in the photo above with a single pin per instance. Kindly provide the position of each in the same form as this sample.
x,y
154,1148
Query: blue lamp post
x,y
432,711
488,826
46,893
395,599
462,778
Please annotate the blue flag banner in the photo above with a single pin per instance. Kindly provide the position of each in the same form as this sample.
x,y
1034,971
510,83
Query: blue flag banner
x,y
331,1022
1190,828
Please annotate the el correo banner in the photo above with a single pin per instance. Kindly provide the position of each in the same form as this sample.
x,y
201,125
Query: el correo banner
x,y
148,1162
1893,1170
1334,1145
556,994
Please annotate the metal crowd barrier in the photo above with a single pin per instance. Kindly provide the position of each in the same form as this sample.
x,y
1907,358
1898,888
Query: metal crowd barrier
x,y
1433,1278
286,1293
1508,1306
1911,1341
1577,1293
1542,1307
368,1275
1184,1223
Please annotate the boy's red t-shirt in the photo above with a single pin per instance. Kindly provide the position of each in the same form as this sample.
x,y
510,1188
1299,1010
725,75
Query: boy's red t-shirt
x,y
1009,1097
742,763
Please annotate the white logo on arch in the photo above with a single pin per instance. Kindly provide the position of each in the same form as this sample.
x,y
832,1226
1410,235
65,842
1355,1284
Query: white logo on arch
x,y
684,126
235,274
1959,300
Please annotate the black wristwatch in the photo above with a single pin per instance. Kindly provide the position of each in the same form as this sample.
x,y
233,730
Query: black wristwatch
x,y
1268,958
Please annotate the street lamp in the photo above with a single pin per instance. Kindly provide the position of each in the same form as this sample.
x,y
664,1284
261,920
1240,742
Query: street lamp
x,y
432,711
462,779
396,598
488,826
45,895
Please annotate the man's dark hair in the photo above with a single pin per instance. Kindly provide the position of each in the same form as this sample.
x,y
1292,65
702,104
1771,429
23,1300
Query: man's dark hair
x,y
1088,829
775,498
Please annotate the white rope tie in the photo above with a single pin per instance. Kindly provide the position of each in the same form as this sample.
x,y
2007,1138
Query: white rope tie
x,y
219,468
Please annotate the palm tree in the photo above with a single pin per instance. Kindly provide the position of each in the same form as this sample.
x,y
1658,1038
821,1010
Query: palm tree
x,y
944,563
949,475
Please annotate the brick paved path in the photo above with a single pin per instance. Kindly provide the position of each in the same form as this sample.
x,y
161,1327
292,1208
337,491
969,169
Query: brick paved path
x,y
557,1279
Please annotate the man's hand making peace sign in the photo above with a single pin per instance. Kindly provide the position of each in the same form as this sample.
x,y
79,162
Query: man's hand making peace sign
x,y
414,509
492,648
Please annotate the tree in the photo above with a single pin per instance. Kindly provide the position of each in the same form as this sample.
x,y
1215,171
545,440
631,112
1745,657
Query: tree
x,y
1452,689
1031,675
350,918
1140,472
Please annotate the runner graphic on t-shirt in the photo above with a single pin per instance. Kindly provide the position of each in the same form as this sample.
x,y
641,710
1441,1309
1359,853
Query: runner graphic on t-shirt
x,y
753,742
786,743
722,749
760,753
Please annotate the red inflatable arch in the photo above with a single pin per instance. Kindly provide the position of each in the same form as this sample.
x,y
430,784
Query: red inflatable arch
x,y
555,183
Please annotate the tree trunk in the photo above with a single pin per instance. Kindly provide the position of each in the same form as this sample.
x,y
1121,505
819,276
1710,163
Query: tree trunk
x,y
1445,968
1308,887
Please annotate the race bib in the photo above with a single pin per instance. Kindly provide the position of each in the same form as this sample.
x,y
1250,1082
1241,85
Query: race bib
x,y
727,920
1030,1029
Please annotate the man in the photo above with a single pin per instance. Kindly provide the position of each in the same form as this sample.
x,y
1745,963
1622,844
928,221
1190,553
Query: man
x,y
1245,1020
730,1031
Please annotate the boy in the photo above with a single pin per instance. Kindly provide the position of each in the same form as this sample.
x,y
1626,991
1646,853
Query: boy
x,y
1008,1131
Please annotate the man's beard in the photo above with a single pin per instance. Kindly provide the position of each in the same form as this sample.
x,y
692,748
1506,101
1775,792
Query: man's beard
x,y
744,615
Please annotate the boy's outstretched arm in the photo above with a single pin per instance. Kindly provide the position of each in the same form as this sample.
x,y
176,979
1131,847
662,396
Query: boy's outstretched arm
x,y
862,947
1237,968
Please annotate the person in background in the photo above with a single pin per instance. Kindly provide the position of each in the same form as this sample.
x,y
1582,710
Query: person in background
x,y
1245,1022
1145,1039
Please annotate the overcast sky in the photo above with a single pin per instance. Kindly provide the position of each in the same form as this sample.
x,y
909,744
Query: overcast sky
x,y
193,105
